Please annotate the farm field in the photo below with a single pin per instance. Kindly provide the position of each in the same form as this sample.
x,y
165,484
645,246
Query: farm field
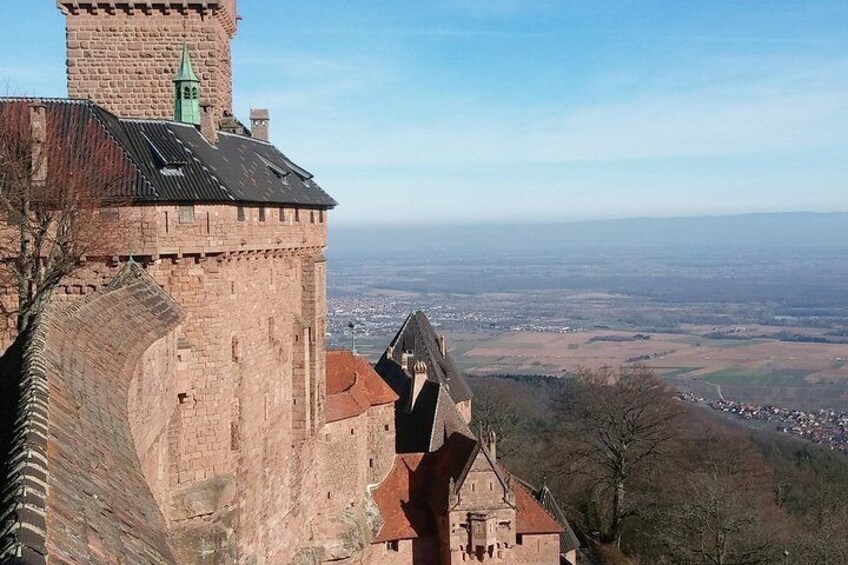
x,y
762,371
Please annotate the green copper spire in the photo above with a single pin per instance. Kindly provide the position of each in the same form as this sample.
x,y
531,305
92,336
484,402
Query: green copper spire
x,y
186,92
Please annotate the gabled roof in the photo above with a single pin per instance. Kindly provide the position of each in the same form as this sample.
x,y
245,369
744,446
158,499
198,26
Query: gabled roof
x,y
568,541
402,501
173,162
353,386
417,336
433,419
417,491
531,516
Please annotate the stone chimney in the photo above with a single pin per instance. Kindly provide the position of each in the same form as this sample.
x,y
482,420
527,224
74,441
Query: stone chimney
x,y
419,378
208,123
405,358
260,124
38,131
443,345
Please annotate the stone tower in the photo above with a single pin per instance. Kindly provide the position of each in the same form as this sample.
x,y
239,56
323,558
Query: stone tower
x,y
186,92
124,55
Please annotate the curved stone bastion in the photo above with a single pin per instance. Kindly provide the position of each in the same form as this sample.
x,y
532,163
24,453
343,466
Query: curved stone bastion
x,y
76,490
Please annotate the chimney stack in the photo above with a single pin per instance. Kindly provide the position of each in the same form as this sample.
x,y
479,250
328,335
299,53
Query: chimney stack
x,y
419,378
405,359
260,124
208,125
38,132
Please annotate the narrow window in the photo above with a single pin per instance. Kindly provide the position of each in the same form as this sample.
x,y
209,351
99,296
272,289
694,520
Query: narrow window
x,y
282,214
320,216
240,213
297,215
519,539
194,93
109,215
208,223
186,214
167,223
311,217
371,463
187,93
262,213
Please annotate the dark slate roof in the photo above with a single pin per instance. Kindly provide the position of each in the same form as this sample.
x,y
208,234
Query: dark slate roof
x,y
418,337
173,162
567,540
432,420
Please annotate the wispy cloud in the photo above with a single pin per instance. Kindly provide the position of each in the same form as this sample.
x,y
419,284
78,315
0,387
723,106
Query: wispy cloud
x,y
798,110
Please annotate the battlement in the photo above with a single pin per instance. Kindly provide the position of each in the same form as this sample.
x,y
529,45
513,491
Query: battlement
x,y
225,9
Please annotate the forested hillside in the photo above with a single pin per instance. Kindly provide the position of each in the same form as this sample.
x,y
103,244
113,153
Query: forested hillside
x,y
647,479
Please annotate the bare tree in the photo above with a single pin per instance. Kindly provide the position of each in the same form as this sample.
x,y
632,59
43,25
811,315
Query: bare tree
x,y
495,411
62,183
623,424
722,510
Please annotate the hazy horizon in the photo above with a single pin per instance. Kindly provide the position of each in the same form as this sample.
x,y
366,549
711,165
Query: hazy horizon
x,y
748,233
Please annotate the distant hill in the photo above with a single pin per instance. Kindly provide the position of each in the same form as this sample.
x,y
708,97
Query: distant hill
x,y
716,233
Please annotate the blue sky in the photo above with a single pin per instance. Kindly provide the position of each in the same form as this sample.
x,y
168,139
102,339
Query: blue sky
x,y
532,110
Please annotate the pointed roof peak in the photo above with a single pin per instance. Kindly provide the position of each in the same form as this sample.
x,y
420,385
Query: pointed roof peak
x,y
186,71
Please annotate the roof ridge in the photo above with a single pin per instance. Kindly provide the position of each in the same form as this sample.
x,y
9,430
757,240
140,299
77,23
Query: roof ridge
x,y
24,511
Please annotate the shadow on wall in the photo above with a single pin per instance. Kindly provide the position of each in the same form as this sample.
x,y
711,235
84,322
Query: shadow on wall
x,y
10,370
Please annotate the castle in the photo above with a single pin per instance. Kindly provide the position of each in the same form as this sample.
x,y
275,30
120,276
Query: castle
x,y
176,403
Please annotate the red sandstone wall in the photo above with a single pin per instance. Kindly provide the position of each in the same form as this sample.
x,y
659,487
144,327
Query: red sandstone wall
x,y
247,370
536,550
125,59
424,551
381,443
152,399
345,458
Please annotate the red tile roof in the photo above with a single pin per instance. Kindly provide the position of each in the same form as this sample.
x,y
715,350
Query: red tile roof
x,y
531,516
403,502
418,484
353,386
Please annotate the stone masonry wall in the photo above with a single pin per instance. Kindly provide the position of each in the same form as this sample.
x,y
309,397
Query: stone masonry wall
x,y
345,456
536,550
152,399
422,551
232,475
125,57
98,492
381,443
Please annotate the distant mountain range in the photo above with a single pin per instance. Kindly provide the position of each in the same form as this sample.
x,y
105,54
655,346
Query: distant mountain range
x,y
746,232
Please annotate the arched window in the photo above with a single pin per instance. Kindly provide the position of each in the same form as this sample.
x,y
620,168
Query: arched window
x,y
194,93
187,93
